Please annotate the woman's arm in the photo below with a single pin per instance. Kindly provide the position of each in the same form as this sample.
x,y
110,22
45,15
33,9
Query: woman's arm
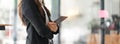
x,y
31,12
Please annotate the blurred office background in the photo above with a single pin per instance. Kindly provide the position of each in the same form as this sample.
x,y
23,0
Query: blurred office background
x,y
76,29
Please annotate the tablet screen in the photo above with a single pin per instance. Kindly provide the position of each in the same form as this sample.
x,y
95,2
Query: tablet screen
x,y
60,19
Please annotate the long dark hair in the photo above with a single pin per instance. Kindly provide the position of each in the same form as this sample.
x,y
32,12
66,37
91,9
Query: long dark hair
x,y
20,11
39,6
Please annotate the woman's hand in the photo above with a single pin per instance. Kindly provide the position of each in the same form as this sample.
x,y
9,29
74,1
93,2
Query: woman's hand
x,y
53,26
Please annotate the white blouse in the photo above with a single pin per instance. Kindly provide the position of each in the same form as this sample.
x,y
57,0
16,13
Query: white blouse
x,y
46,15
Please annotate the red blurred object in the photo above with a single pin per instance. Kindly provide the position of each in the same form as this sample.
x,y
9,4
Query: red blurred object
x,y
112,26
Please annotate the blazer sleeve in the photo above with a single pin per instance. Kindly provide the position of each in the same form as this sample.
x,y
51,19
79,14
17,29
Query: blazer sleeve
x,y
30,11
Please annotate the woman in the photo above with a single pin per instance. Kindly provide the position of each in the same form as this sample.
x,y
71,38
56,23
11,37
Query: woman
x,y
36,17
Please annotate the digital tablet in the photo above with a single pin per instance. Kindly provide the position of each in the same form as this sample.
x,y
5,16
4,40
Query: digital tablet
x,y
60,19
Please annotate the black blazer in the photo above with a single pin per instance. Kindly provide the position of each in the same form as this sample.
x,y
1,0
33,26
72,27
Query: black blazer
x,y
38,32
